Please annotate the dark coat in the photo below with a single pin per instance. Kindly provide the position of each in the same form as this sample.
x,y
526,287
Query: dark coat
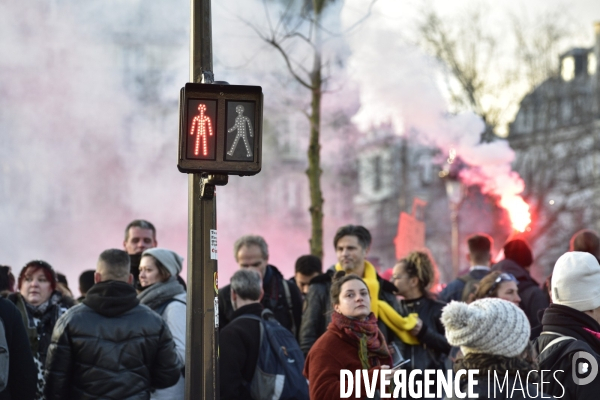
x,y
317,309
567,321
22,372
433,347
532,297
110,347
239,343
273,299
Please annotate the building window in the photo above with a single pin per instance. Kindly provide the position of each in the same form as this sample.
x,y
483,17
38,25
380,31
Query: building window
x,y
567,70
377,181
592,63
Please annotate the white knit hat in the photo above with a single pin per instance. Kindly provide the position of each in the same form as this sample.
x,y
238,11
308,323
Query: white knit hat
x,y
171,260
486,326
576,281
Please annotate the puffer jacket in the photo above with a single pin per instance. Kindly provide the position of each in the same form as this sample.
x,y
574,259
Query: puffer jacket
x,y
317,309
433,347
110,347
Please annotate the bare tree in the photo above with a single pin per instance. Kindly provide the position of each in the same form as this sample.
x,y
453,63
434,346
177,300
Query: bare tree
x,y
298,36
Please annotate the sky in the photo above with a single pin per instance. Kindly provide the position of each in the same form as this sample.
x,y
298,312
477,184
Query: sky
x,y
74,145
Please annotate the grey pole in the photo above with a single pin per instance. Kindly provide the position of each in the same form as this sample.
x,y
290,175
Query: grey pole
x,y
202,340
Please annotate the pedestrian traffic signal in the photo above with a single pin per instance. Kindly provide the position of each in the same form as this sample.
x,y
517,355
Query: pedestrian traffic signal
x,y
220,129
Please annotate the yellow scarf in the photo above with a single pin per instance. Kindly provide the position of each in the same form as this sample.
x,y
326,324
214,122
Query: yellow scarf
x,y
383,311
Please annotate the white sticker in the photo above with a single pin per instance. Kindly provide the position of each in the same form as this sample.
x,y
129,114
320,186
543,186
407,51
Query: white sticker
x,y
216,312
213,244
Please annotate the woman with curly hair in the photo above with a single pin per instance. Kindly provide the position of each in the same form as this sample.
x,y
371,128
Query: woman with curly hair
x,y
498,284
493,335
413,277
352,340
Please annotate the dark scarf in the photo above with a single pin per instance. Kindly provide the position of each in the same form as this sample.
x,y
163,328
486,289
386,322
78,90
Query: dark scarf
x,y
371,343
156,294
568,321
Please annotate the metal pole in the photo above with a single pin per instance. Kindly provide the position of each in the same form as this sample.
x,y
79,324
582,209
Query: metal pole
x,y
202,339
455,242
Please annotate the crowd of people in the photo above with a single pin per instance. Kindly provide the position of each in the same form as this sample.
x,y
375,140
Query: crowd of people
x,y
125,337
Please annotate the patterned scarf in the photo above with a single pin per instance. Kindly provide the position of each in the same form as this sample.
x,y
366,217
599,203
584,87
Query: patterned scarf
x,y
391,318
371,343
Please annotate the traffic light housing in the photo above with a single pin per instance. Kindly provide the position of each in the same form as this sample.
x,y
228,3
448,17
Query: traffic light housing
x,y
220,129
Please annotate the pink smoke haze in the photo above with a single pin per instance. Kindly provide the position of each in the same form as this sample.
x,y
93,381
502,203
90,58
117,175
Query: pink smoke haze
x,y
399,84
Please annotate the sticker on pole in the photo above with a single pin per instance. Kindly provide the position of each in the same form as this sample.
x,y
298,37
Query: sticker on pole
x,y
213,244
216,312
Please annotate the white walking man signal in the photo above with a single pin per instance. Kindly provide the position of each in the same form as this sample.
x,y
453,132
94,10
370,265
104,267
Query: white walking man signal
x,y
240,125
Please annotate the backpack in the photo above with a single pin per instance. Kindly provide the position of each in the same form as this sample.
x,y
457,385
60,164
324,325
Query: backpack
x,y
4,357
470,283
278,374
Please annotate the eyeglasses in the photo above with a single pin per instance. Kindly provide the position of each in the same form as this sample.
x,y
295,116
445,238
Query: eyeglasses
x,y
503,277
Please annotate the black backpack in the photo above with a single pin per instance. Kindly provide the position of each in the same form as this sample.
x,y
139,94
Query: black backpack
x,y
278,373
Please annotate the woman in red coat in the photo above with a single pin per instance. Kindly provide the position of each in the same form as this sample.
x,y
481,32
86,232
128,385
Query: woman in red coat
x,y
352,340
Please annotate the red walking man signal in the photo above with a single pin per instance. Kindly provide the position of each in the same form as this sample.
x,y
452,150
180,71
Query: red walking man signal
x,y
200,125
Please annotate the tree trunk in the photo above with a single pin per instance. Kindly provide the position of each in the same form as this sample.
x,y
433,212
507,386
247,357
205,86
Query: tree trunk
x,y
314,163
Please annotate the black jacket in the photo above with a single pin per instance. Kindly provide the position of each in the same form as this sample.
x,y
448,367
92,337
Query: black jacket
x,y
274,298
532,297
22,373
239,343
317,309
433,347
110,347
566,321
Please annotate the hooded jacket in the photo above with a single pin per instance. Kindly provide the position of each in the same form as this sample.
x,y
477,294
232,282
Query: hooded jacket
x,y
110,347
532,297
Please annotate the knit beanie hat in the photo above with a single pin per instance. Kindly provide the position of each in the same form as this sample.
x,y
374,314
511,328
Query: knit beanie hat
x,y
576,281
519,251
171,260
487,326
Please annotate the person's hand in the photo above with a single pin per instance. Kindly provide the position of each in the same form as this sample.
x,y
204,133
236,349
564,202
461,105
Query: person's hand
x,y
415,331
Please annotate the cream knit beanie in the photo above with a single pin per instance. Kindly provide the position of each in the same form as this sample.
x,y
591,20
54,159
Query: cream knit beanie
x,y
576,281
486,326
